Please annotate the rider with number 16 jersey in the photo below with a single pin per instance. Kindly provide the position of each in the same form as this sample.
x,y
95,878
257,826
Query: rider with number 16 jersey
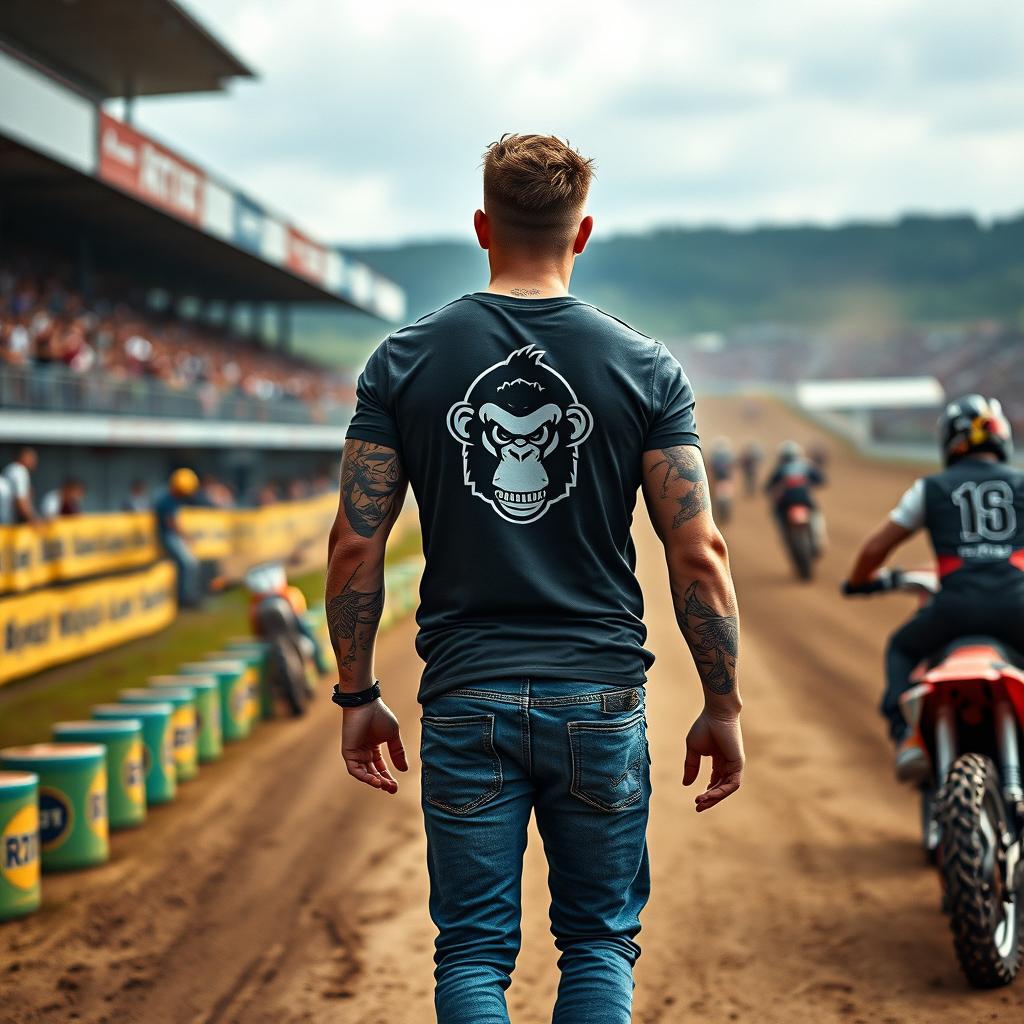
x,y
973,510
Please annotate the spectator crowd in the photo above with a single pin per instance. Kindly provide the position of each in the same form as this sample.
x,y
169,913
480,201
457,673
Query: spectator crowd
x,y
45,323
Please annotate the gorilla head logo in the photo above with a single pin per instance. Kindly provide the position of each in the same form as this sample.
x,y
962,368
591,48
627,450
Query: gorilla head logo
x,y
520,427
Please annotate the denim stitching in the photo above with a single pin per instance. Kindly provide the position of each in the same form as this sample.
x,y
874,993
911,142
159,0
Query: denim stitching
x,y
543,702
574,729
495,789
524,727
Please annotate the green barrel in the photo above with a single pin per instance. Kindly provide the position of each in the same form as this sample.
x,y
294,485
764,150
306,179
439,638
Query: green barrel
x,y
73,828
126,775
183,724
209,739
255,653
19,844
316,619
157,748
233,685
254,679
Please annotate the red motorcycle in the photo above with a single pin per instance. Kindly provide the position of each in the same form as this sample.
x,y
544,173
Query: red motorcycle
x,y
798,534
967,703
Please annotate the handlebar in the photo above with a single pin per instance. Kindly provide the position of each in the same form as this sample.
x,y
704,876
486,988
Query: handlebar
x,y
887,580
881,582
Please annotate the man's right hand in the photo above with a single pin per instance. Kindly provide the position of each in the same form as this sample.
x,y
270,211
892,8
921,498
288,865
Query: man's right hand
x,y
364,731
722,741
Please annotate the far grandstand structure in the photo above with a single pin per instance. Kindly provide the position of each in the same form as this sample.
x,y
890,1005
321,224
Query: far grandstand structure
x,y
126,269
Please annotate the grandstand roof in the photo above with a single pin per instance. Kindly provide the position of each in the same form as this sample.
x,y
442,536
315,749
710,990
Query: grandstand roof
x,y
121,47
46,203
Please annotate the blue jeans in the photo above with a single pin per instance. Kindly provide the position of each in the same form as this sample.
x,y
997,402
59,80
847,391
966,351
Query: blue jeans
x,y
576,755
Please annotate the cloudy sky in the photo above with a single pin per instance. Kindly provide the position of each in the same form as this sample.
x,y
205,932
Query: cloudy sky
x,y
369,116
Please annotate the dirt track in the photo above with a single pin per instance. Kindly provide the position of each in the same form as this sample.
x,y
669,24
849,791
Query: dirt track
x,y
277,891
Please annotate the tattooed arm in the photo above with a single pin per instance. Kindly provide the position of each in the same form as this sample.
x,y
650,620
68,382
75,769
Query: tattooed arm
x,y
676,493
373,488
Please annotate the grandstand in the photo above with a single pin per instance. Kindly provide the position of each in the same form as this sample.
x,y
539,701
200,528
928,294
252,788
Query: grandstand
x,y
135,285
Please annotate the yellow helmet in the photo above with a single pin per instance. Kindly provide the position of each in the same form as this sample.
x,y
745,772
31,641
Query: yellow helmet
x,y
297,599
184,482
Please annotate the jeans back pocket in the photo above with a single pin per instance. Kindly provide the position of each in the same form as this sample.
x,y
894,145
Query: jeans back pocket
x,y
461,770
608,760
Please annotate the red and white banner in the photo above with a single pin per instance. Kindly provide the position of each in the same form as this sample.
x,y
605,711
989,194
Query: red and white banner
x,y
143,168
305,257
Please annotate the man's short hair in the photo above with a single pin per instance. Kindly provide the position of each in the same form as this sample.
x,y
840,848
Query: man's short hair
x,y
535,188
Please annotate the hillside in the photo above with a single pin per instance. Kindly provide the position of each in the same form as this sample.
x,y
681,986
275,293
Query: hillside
x,y
676,281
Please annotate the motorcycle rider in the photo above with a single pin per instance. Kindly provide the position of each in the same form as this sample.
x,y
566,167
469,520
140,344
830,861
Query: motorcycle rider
x,y
750,461
722,469
791,483
973,510
723,460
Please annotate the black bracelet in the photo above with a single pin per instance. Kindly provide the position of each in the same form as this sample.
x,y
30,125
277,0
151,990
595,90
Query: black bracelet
x,y
356,700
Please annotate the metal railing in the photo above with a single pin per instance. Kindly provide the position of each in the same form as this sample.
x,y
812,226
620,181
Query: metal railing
x,y
54,388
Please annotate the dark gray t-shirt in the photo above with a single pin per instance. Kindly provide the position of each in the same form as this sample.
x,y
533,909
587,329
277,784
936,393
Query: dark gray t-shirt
x,y
521,425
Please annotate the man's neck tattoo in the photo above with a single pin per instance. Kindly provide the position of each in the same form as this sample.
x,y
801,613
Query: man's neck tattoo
x,y
523,292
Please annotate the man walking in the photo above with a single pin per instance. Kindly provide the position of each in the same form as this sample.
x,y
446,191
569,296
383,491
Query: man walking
x,y
525,421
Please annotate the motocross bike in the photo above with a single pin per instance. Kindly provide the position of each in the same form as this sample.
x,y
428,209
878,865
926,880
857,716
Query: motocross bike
x,y
275,619
798,535
967,702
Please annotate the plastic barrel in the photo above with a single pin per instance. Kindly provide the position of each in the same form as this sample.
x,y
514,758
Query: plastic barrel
x,y
157,749
73,829
254,679
126,774
233,684
254,652
183,724
209,739
19,844
316,619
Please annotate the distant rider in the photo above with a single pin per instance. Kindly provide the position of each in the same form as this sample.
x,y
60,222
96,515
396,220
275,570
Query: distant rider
x,y
791,483
750,462
973,511
723,460
722,472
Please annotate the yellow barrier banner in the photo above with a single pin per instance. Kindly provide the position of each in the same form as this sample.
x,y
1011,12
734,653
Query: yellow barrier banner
x,y
61,624
97,545
210,532
74,547
258,534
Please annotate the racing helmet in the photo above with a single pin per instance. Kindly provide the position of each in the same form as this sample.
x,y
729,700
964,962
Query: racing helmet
x,y
184,482
974,424
789,450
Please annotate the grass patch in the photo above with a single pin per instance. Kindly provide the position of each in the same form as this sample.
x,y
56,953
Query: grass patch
x,y
29,707
408,544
